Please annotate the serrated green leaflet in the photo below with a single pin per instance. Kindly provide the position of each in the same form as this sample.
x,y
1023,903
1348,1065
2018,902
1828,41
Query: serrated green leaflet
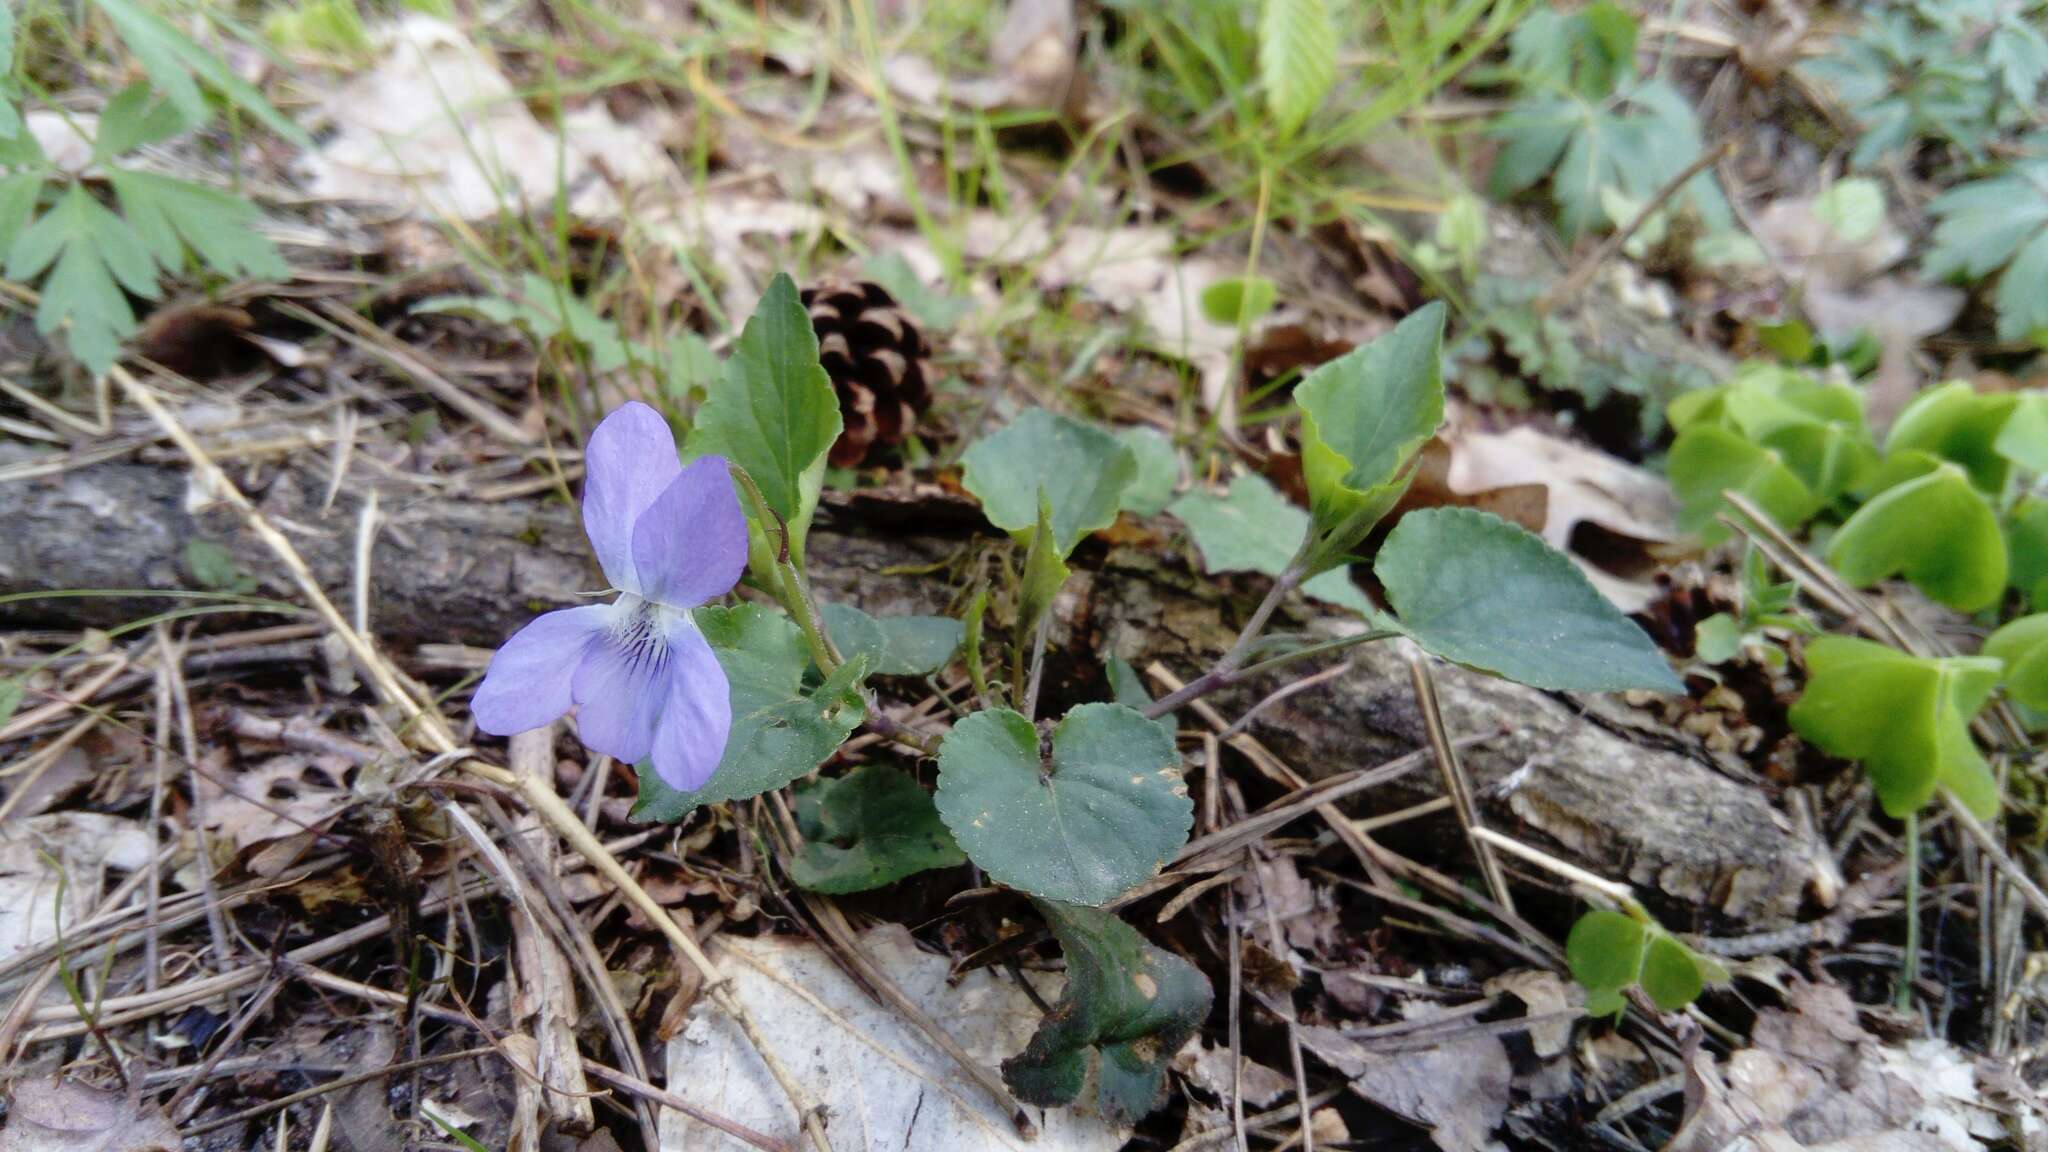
x,y
1081,469
133,118
1252,528
1107,810
172,60
1905,718
871,827
779,732
1938,531
1474,589
1158,470
2023,646
1998,222
894,645
1958,424
1364,415
171,215
773,412
1134,1002
1297,59
96,256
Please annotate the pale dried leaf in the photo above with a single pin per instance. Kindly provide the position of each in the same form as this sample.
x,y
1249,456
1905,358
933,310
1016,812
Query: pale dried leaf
x,y
1459,1090
887,1085
53,868
52,1115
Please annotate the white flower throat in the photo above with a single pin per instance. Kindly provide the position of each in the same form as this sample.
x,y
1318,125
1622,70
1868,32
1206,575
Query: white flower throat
x,y
640,630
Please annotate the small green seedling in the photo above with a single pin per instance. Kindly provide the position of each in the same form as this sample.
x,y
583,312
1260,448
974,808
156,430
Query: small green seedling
x,y
1612,952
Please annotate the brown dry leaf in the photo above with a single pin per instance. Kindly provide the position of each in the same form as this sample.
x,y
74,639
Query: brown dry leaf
x,y
1208,1067
434,126
52,870
1816,1079
1545,994
1458,1090
52,1115
283,797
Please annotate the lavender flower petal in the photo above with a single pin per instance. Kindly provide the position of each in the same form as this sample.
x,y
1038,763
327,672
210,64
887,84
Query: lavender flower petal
x,y
630,460
622,684
528,682
691,543
690,739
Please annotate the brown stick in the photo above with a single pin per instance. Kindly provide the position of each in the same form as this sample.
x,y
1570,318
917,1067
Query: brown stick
x,y
545,1001
1582,273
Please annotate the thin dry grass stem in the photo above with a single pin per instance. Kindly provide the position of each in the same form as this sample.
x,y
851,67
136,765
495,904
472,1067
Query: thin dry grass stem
x,y
257,1112
345,325
1277,942
19,1011
249,1014
188,746
432,729
1444,751
77,697
1241,1124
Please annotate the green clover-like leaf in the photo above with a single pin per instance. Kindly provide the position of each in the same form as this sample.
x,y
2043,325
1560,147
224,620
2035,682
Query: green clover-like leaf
x,y
1709,461
779,732
1135,1002
1958,424
1609,952
2026,543
1906,718
2023,646
1480,591
1081,469
871,827
1937,530
1106,810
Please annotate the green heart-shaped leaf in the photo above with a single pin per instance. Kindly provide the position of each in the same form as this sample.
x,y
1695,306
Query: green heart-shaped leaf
x,y
1609,952
2026,541
1106,811
1225,301
894,645
1906,718
871,827
1252,528
2023,439
1475,589
1082,470
1938,531
1151,487
1364,415
779,732
1135,1002
1958,424
1709,460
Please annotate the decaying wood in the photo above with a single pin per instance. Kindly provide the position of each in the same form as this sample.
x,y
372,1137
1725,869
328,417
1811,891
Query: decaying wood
x,y
452,571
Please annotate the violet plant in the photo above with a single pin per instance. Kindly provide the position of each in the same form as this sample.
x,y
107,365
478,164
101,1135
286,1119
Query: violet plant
x,y
718,703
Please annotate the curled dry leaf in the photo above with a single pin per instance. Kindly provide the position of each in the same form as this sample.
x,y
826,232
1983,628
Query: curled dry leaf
x,y
1459,1089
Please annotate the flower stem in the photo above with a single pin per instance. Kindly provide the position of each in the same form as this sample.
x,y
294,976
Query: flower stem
x,y
1909,964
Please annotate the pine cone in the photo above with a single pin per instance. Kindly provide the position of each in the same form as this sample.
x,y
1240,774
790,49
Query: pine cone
x,y
876,357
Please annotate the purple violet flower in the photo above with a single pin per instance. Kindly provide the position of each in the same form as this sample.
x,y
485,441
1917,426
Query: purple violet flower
x,y
640,674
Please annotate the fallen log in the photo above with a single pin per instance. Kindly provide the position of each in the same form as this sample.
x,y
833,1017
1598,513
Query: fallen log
x,y
445,570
